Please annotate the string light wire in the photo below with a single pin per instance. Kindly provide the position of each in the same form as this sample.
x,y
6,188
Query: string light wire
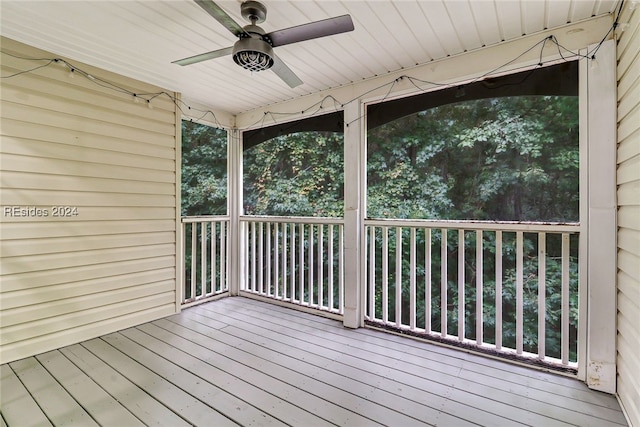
x,y
145,97
611,29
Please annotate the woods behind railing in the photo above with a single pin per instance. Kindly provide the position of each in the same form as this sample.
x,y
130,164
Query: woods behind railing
x,y
503,286
510,287
205,247
295,259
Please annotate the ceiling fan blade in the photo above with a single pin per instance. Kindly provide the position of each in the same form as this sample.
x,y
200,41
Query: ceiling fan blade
x,y
204,56
285,73
312,30
221,16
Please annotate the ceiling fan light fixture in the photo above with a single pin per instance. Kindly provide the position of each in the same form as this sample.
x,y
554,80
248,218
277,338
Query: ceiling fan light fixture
x,y
253,54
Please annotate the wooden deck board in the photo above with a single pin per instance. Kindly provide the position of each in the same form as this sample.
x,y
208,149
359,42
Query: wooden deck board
x,y
135,342
18,406
103,408
142,405
203,364
238,361
183,404
58,405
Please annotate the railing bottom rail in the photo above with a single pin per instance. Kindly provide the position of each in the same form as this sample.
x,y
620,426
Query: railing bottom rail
x,y
294,305
525,358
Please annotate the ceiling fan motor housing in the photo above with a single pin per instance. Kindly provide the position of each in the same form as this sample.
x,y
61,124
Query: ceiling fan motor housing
x,y
253,52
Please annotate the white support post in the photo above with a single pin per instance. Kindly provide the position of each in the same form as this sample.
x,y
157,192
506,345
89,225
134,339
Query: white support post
x,y
598,215
354,203
234,238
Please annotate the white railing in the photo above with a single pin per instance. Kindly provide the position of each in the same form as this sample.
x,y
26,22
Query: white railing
x,y
294,259
498,286
206,265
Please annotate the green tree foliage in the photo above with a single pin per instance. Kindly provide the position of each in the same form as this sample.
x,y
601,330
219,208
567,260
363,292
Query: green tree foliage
x,y
204,170
204,187
510,158
297,174
491,159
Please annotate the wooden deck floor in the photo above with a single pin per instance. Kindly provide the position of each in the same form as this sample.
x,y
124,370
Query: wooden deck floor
x,y
240,361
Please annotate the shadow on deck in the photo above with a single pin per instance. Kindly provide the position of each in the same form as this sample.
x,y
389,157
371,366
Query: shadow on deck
x,y
240,361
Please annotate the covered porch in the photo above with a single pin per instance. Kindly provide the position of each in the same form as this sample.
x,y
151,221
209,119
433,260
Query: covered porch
x,y
239,361
119,309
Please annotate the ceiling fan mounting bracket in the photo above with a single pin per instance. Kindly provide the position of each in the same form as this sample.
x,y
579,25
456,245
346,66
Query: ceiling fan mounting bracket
x,y
253,11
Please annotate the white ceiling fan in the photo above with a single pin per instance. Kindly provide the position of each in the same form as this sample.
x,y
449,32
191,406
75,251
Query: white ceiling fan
x,y
254,48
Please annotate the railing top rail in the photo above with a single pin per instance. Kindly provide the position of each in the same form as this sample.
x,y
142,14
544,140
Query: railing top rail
x,y
532,226
205,218
292,219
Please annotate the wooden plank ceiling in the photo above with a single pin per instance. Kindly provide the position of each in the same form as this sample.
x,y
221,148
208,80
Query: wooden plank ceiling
x,y
140,39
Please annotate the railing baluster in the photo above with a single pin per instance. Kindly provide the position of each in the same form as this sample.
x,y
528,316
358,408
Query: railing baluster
x,y
498,318
372,272
292,255
330,270
479,289
223,257
203,259
213,258
542,294
398,309
284,261
461,285
310,264
565,300
253,256
519,291
385,274
276,260
321,265
194,261
183,242
261,258
244,234
443,284
427,279
412,279
268,258
301,263
244,260
341,269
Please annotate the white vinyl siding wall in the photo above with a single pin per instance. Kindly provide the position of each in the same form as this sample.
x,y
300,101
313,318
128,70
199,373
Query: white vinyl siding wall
x,y
74,142
629,215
